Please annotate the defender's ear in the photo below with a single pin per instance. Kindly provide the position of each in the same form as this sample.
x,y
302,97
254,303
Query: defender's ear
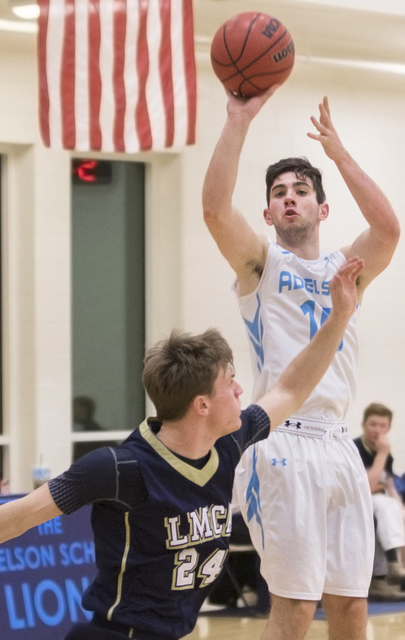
x,y
201,405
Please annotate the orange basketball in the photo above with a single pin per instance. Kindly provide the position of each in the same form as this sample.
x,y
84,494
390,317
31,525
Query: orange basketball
x,y
250,52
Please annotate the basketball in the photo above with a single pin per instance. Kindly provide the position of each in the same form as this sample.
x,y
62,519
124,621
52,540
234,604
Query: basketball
x,y
250,52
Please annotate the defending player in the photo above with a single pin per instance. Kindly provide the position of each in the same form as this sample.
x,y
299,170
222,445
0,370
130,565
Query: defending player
x,y
161,513
284,298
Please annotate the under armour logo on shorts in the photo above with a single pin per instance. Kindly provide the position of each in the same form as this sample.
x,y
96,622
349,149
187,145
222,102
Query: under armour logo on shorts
x,y
283,462
288,423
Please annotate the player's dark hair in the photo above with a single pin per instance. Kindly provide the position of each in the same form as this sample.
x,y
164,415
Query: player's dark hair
x,y
182,367
302,169
377,409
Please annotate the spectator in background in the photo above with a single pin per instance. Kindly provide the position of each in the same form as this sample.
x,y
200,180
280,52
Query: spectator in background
x,y
375,451
84,409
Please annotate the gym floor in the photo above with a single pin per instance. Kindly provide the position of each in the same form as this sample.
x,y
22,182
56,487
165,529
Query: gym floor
x,y
382,627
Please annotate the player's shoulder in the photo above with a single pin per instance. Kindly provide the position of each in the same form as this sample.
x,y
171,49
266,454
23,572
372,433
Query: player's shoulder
x,y
276,256
274,249
97,457
130,446
343,253
106,456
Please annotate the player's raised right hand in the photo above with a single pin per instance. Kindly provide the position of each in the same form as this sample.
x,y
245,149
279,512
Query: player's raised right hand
x,y
249,107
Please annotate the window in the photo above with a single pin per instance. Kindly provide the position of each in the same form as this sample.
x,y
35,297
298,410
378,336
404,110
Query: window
x,y
108,302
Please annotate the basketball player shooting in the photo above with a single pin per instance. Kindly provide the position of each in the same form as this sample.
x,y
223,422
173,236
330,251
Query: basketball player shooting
x,y
161,501
320,544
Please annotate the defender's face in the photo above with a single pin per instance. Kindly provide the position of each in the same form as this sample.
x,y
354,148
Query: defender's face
x,y
374,427
293,203
225,403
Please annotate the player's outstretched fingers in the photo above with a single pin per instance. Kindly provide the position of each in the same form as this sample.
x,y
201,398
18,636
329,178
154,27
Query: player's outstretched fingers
x,y
323,130
324,112
325,104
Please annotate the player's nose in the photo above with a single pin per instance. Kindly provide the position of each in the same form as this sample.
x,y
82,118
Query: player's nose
x,y
238,390
289,197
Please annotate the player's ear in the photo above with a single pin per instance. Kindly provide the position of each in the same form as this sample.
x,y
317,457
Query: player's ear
x,y
201,405
267,217
323,211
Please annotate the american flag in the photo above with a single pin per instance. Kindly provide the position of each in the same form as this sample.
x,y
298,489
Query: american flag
x,y
116,75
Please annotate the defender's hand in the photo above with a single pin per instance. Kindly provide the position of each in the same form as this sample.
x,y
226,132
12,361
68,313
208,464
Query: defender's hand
x,y
343,287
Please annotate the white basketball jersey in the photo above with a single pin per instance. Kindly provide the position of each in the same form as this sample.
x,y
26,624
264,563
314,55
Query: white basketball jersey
x,y
290,303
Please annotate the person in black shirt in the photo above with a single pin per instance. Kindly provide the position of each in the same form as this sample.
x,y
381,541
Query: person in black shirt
x,y
375,451
161,500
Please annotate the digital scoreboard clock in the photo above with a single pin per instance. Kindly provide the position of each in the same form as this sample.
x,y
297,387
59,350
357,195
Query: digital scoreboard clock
x,y
91,171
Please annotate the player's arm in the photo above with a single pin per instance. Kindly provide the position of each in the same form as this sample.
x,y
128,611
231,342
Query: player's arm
x,y
93,477
377,243
244,249
17,516
306,370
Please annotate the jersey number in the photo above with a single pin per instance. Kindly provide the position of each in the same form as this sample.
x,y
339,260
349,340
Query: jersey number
x,y
308,307
186,562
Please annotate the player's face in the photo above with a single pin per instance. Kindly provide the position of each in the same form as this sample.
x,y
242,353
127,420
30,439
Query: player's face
x,y
374,427
293,209
225,403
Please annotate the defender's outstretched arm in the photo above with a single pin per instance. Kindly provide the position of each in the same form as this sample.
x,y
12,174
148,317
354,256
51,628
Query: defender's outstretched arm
x,y
17,516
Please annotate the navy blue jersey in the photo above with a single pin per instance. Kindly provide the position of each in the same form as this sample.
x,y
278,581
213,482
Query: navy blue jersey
x,y
161,526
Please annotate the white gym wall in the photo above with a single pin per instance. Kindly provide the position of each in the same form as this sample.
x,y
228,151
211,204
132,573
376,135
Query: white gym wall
x,y
345,49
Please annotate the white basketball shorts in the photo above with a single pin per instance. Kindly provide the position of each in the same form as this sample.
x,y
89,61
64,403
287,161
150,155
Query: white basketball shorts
x,y
305,496
390,522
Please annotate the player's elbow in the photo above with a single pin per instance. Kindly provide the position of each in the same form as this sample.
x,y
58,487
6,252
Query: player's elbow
x,y
217,218
391,232
217,205
210,203
211,219
209,214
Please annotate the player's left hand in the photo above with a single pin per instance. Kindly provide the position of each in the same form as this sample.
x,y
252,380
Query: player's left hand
x,y
327,135
343,289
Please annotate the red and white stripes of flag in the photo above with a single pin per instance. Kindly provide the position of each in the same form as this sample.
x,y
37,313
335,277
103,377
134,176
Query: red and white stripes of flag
x,y
116,75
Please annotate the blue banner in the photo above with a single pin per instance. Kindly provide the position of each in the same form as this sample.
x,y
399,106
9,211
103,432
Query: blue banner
x,y
43,575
